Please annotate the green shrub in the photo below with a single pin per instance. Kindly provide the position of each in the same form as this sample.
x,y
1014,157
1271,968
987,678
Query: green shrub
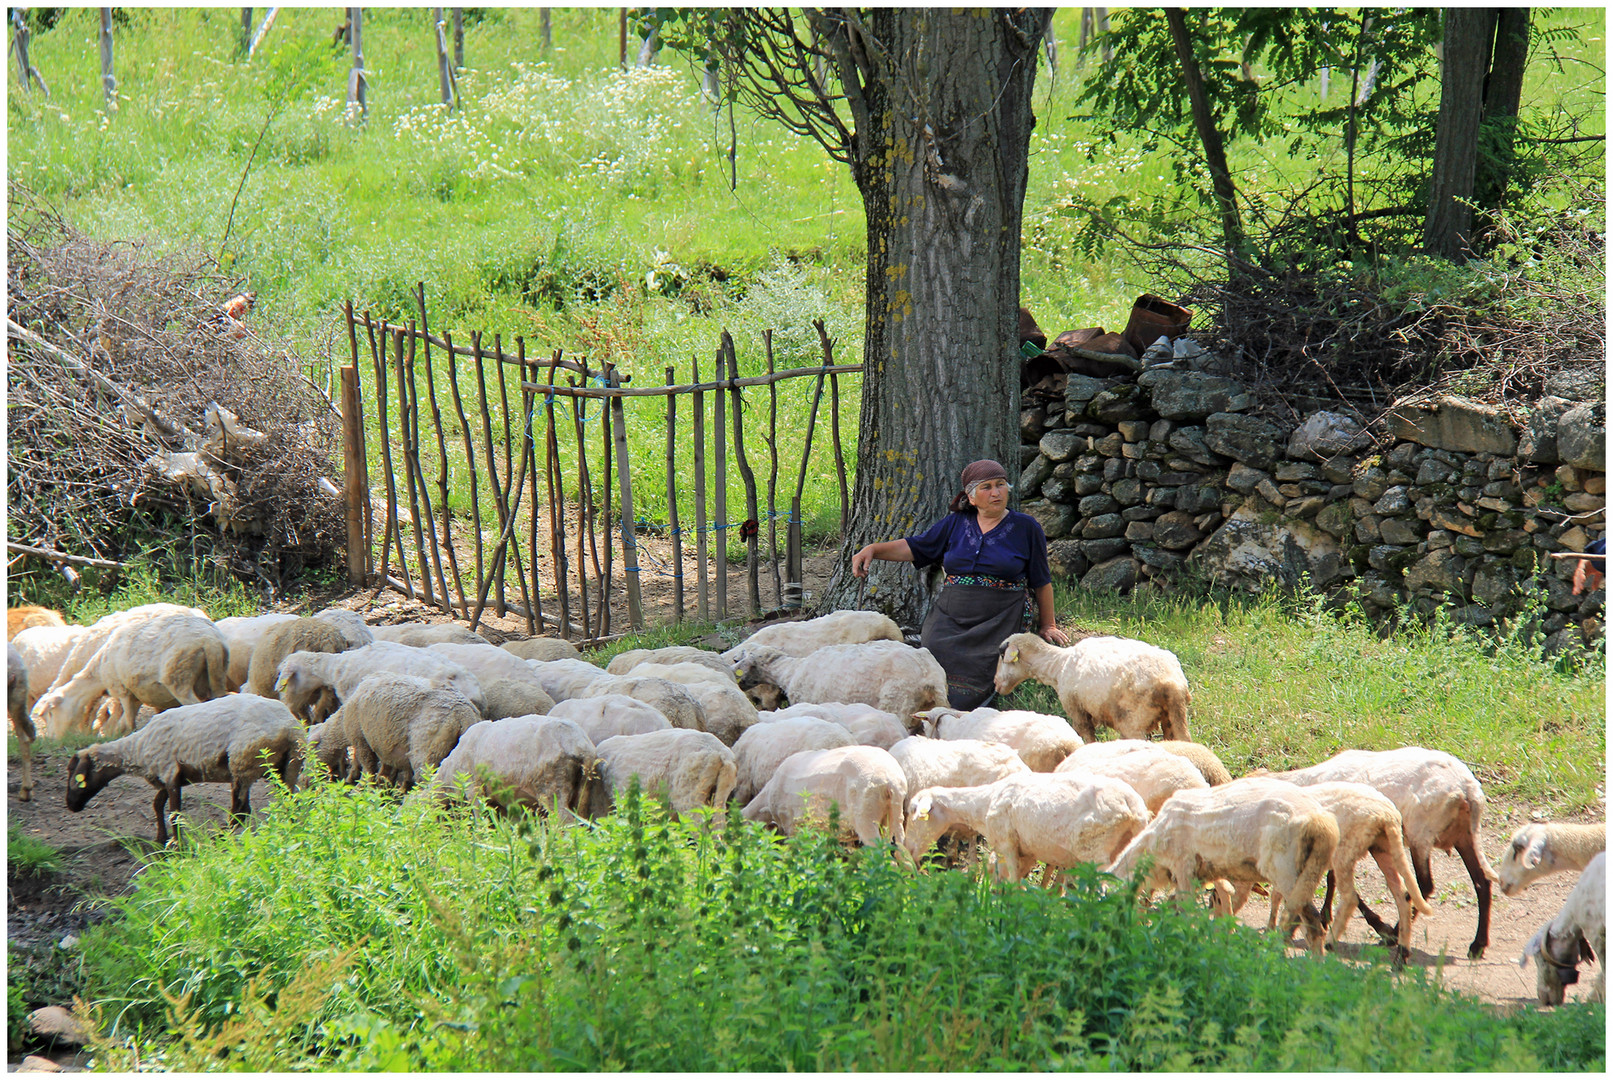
x,y
353,931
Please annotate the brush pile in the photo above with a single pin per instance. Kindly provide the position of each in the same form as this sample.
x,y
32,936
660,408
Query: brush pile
x,y
145,415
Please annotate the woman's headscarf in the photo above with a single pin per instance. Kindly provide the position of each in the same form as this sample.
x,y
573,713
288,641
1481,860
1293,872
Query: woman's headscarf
x,y
974,474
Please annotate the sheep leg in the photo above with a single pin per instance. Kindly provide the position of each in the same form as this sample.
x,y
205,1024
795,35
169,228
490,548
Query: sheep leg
x,y
1401,949
1425,882
26,742
158,804
1327,900
131,710
291,770
1481,886
1081,721
240,800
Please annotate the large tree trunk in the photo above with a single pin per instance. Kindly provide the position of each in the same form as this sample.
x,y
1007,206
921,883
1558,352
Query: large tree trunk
x,y
1503,92
941,164
1449,228
1215,155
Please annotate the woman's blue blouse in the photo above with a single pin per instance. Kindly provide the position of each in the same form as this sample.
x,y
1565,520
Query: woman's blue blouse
x,y
1016,548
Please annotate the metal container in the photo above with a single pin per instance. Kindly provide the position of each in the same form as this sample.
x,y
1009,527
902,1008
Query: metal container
x,y
1152,317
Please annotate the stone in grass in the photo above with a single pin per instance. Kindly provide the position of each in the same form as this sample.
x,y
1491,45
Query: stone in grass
x,y
1117,575
56,1024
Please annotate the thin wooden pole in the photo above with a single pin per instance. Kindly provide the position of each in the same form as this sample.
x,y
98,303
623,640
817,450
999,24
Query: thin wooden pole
x,y
364,566
834,419
504,495
586,497
391,529
772,473
624,475
672,499
503,544
699,414
534,611
751,516
354,483
793,571
442,464
720,493
405,407
582,520
610,549
557,496
420,483
499,501
470,463
504,491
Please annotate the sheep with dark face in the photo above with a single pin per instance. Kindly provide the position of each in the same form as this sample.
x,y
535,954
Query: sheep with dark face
x,y
234,739
1577,932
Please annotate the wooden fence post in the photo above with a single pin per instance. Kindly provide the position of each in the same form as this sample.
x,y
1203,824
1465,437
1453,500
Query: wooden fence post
x,y
442,458
356,485
672,499
751,516
720,526
793,571
624,474
406,409
584,526
557,495
772,473
699,414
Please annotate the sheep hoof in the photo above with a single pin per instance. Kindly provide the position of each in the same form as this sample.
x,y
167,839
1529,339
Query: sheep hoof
x,y
1398,957
1475,951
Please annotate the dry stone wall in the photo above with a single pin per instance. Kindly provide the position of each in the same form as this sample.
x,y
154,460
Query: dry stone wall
x,y
1441,504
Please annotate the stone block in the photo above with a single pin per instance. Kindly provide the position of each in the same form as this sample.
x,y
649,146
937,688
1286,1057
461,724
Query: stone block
x,y
1059,446
1093,505
1080,389
1160,430
1102,526
1335,518
1128,491
1268,491
1102,550
1056,519
1116,403
1032,423
1139,530
1191,444
1033,476
1368,529
1395,500
1578,380
1326,435
1133,430
1439,571
1116,575
1401,531
1066,559
1248,439
1244,479
1582,436
1088,483
1453,423
1176,530
1192,395
1453,522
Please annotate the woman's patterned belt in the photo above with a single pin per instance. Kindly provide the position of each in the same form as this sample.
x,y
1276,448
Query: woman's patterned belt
x,y
986,580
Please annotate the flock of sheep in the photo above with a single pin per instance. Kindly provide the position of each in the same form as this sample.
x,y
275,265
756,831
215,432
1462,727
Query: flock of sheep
x,y
867,729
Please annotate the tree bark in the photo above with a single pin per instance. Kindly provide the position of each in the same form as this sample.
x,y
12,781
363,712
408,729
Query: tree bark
x,y
1503,93
940,157
1448,229
357,91
109,82
1215,155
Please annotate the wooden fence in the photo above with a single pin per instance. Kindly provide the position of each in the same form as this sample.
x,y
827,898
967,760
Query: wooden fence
x,y
423,554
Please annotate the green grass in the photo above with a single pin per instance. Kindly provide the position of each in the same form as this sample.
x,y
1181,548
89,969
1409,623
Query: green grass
x,y
352,931
1283,684
26,855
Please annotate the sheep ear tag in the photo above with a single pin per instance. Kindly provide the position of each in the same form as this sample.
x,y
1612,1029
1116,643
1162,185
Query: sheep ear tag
x,y
79,779
1013,655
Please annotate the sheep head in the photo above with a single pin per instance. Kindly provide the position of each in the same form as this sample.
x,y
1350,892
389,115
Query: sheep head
x,y
300,681
1013,667
756,670
86,776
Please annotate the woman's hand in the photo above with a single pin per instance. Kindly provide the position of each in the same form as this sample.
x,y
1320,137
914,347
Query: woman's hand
x,y
1054,636
860,561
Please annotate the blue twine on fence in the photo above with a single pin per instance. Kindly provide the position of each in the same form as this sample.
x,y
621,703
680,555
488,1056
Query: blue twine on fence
x,y
578,408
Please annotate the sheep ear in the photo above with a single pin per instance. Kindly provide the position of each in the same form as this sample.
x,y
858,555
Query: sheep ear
x,y
1532,854
1012,655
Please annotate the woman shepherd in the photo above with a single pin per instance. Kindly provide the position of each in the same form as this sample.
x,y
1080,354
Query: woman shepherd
x,y
991,554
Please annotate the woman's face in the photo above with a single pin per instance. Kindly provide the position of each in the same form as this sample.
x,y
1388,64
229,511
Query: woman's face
x,y
990,496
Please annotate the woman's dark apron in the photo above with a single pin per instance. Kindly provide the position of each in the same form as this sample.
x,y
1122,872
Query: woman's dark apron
x,y
965,630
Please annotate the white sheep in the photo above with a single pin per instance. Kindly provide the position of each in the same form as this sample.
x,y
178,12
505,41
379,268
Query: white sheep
x,y
17,709
866,784
1245,832
305,677
241,634
953,763
234,739
90,643
539,762
868,725
396,726
1042,741
1153,773
350,623
1032,817
622,663
503,698
1127,685
1577,932
164,662
806,636
610,715
1543,848
686,768
1369,824
726,712
763,748
44,649
282,639
542,648
422,634
1202,757
683,672
1441,805
566,678
888,675
675,702
487,662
